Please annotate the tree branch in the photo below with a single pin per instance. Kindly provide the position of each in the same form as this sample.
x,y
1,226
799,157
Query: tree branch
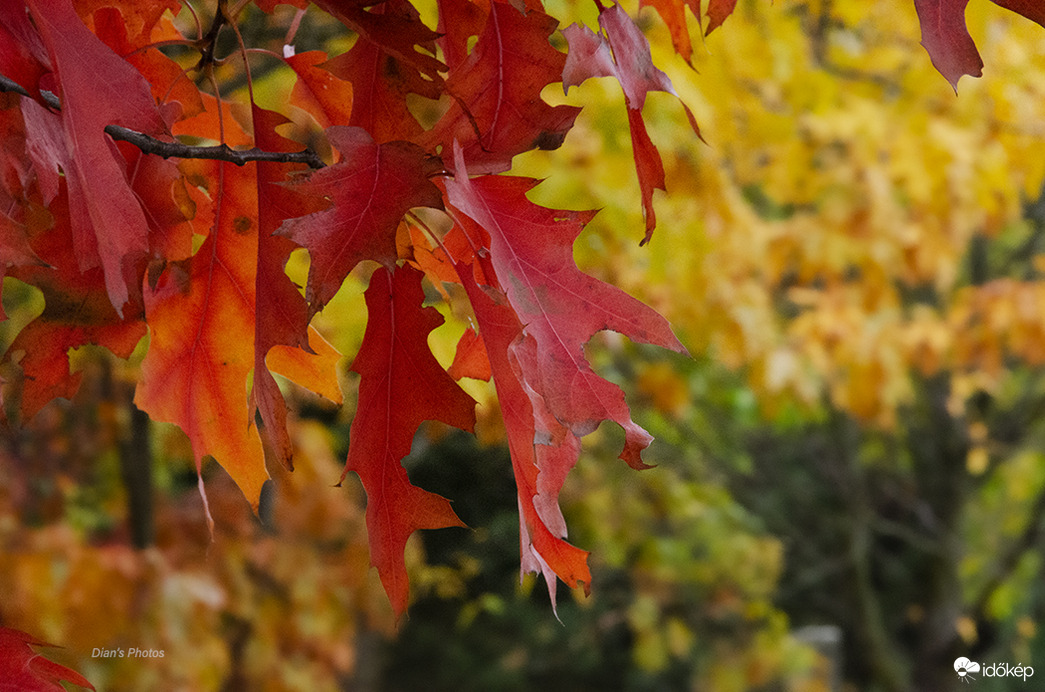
x,y
1008,560
220,152
150,145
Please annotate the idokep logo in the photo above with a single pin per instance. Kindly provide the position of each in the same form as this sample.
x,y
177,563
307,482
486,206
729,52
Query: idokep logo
x,y
967,669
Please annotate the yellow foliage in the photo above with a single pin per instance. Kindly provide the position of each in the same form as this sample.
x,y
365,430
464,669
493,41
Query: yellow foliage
x,y
820,240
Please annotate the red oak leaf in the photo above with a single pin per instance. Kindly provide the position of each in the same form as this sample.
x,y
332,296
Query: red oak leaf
x,y
498,111
168,81
201,323
23,57
718,10
139,16
281,332
372,188
77,311
97,88
160,186
624,53
648,166
439,262
381,78
379,89
673,12
561,308
24,670
542,547
204,314
459,20
432,261
401,385
15,178
947,39
396,28
631,61
1033,10
470,360
319,92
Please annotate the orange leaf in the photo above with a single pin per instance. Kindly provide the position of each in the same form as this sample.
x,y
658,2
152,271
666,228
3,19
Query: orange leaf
x,y
324,96
201,321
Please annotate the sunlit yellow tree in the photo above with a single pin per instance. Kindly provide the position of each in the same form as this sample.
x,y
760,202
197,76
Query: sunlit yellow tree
x,y
864,246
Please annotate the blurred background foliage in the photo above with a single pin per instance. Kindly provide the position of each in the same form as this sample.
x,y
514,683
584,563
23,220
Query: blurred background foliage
x,y
854,259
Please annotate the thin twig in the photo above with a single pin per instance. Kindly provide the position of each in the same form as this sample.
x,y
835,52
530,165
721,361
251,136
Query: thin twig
x,y
220,152
150,145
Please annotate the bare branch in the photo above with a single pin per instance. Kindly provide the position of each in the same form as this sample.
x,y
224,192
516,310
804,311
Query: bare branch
x,y
157,147
220,152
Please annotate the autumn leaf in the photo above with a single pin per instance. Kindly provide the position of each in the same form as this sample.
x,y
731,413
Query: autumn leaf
x,y
168,82
23,57
97,89
394,45
531,253
718,11
381,81
77,311
673,12
24,670
283,340
534,317
493,121
947,39
401,385
15,250
318,91
622,51
470,359
203,317
1031,9
542,549
138,16
459,20
371,188
201,324
397,29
